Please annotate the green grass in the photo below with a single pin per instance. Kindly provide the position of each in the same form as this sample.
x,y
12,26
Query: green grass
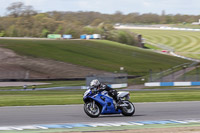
x,y
186,43
52,84
152,47
185,26
167,96
97,54
27,98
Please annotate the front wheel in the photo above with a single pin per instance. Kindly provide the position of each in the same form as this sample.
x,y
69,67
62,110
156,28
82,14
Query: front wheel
x,y
92,109
128,110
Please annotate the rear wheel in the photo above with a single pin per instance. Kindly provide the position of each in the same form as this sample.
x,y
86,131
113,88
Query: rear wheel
x,y
128,110
92,110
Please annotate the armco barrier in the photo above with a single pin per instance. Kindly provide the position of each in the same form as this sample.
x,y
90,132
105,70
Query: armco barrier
x,y
182,29
197,83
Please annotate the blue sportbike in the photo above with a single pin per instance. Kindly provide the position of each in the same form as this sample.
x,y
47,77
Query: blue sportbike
x,y
99,102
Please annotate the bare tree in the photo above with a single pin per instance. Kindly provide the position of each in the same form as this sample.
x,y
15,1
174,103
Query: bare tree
x,y
28,11
17,9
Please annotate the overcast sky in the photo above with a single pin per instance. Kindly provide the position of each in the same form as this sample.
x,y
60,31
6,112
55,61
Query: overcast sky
x,y
111,6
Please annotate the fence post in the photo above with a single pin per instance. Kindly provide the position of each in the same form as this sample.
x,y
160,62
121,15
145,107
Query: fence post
x,y
161,75
184,70
172,74
197,73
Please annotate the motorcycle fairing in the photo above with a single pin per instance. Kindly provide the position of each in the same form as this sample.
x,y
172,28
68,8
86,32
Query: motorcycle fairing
x,y
106,103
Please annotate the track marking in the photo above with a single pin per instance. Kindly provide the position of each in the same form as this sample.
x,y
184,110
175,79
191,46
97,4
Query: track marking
x,y
78,125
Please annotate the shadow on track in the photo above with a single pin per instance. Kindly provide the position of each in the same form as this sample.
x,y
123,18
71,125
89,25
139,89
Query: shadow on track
x,y
118,115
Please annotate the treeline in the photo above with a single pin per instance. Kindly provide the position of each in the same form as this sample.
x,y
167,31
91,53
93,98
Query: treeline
x,y
24,21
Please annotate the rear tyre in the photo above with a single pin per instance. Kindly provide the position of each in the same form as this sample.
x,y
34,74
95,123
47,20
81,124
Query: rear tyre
x,y
90,111
129,110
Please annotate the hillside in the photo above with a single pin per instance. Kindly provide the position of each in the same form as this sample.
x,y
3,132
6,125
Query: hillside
x,y
186,43
13,66
96,56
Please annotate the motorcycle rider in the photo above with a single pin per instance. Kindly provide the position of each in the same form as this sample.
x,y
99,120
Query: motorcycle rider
x,y
102,87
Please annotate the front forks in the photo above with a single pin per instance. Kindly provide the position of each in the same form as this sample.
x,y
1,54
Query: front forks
x,y
93,104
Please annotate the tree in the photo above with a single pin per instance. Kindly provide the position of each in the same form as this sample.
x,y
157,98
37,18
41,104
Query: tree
x,y
2,34
96,22
12,31
106,26
28,11
45,32
17,9
23,20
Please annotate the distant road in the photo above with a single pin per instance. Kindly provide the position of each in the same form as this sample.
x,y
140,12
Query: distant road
x,y
58,114
146,27
137,27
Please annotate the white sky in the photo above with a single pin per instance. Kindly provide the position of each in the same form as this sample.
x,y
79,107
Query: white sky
x,y
191,7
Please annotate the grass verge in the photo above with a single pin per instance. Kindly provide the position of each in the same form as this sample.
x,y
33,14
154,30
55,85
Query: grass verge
x,y
29,98
52,84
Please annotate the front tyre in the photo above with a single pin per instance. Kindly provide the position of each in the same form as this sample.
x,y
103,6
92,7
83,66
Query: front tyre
x,y
91,110
128,110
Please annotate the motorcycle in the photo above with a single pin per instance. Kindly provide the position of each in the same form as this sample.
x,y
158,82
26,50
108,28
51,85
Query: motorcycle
x,y
99,102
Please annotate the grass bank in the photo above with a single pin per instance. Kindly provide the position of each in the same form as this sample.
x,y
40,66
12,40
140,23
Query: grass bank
x,y
97,54
184,43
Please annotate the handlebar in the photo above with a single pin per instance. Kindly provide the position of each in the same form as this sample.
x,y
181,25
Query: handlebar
x,y
94,90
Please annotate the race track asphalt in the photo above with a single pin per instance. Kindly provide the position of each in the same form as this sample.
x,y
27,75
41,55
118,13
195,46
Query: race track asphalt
x,y
59,114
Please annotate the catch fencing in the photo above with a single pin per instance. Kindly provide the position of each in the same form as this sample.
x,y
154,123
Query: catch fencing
x,y
178,73
117,78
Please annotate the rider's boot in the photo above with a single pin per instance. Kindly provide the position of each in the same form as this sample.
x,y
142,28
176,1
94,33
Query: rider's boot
x,y
115,104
